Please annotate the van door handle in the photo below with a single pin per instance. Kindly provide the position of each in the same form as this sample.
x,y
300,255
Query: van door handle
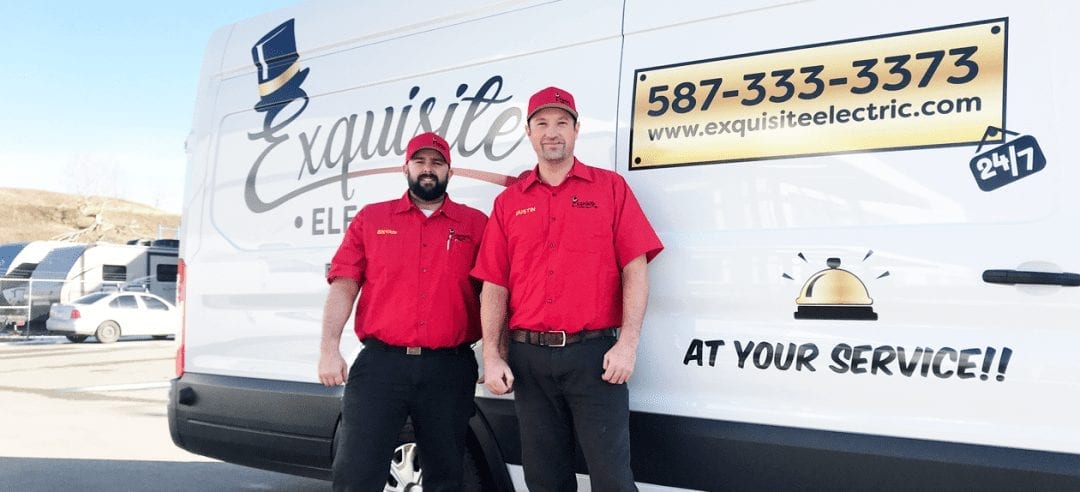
x,y
1038,278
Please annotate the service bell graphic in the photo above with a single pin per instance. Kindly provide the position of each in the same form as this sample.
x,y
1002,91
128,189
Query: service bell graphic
x,y
834,293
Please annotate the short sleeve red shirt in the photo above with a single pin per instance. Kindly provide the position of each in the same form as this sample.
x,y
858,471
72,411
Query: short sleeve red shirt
x,y
413,273
560,250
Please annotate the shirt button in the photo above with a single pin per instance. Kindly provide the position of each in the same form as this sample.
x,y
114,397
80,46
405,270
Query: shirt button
x,y
423,270
551,272
551,245
421,323
422,295
550,300
424,245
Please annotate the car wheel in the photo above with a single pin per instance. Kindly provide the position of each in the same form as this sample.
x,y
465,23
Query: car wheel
x,y
107,332
77,338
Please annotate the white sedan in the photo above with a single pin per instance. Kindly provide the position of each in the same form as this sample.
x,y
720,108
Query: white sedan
x,y
108,315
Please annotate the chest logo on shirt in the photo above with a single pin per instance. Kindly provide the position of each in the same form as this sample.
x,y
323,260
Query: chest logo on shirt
x,y
525,211
576,203
383,232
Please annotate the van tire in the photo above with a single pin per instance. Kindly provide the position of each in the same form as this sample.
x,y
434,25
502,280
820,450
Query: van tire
x,y
406,448
77,338
472,481
107,332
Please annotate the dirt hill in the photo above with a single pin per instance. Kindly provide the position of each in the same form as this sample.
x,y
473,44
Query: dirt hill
x,y
28,215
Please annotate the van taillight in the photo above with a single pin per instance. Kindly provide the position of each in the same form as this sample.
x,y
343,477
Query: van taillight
x,y
75,314
181,295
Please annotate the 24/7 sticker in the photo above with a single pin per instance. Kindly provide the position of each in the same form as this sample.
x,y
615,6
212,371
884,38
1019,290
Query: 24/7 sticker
x,y
1007,163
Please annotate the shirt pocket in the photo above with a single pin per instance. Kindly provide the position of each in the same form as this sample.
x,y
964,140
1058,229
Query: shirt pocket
x,y
588,231
461,251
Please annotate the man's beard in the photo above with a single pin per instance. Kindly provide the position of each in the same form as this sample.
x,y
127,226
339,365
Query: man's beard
x,y
557,154
427,193
554,154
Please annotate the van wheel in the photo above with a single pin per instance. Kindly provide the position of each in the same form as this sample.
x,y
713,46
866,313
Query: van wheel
x,y
406,473
77,338
107,332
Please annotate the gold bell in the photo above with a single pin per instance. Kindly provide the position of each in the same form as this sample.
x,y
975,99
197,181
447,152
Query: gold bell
x,y
834,293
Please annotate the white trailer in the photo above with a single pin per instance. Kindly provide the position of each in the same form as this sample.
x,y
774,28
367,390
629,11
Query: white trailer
x,y
18,261
75,270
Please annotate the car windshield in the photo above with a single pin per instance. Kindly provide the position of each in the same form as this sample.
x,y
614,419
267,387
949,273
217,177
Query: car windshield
x,y
90,298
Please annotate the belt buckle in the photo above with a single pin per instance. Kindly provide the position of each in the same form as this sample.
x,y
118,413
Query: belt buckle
x,y
413,350
560,344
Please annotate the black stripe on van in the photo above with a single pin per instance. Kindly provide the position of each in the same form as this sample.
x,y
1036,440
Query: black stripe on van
x,y
720,455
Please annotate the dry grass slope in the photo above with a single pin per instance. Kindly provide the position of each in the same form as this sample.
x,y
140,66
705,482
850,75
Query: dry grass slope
x,y
28,215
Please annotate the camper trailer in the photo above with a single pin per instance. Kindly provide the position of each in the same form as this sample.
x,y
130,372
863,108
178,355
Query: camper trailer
x,y
870,274
8,252
75,270
17,264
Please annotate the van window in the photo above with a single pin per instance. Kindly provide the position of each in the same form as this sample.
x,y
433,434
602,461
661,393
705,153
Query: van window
x,y
114,273
166,273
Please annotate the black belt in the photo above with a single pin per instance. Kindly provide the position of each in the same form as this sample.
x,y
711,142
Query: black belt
x,y
558,338
375,343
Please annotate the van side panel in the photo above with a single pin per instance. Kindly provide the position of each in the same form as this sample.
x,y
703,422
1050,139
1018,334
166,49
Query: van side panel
x,y
932,353
831,180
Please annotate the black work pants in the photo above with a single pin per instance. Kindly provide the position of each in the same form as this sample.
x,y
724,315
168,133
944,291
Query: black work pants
x,y
559,394
385,387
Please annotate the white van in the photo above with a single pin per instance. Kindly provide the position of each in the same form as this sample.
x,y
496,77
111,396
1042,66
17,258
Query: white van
x,y
866,210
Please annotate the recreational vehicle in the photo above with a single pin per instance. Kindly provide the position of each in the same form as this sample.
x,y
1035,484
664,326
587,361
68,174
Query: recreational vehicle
x,y
17,263
78,269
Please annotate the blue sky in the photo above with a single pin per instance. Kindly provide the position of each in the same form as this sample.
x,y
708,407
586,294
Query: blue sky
x,y
99,95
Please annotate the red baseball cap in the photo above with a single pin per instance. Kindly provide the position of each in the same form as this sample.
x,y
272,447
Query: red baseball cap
x,y
552,97
428,140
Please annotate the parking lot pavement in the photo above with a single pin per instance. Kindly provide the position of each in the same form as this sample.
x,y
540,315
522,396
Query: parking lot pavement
x,y
92,416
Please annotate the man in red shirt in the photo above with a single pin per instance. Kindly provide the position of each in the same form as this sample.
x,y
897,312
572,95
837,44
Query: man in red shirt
x,y
417,316
567,247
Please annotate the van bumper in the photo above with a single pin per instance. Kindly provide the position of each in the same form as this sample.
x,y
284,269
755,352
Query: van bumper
x,y
704,454
281,426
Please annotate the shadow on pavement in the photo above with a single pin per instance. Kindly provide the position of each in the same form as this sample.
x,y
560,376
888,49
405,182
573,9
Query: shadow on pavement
x,y
50,474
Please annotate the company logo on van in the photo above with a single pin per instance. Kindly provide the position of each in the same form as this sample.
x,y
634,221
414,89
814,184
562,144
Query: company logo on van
x,y
477,118
280,77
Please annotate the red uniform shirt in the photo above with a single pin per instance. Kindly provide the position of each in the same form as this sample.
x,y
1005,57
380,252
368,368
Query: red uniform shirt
x,y
413,273
560,250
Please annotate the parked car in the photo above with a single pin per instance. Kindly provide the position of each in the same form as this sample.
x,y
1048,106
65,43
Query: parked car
x,y
108,315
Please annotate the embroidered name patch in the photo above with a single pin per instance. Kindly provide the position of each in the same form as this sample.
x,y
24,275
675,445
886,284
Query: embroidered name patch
x,y
525,211
385,231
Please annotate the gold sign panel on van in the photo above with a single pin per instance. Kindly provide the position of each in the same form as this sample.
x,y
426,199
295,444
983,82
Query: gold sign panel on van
x,y
929,88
